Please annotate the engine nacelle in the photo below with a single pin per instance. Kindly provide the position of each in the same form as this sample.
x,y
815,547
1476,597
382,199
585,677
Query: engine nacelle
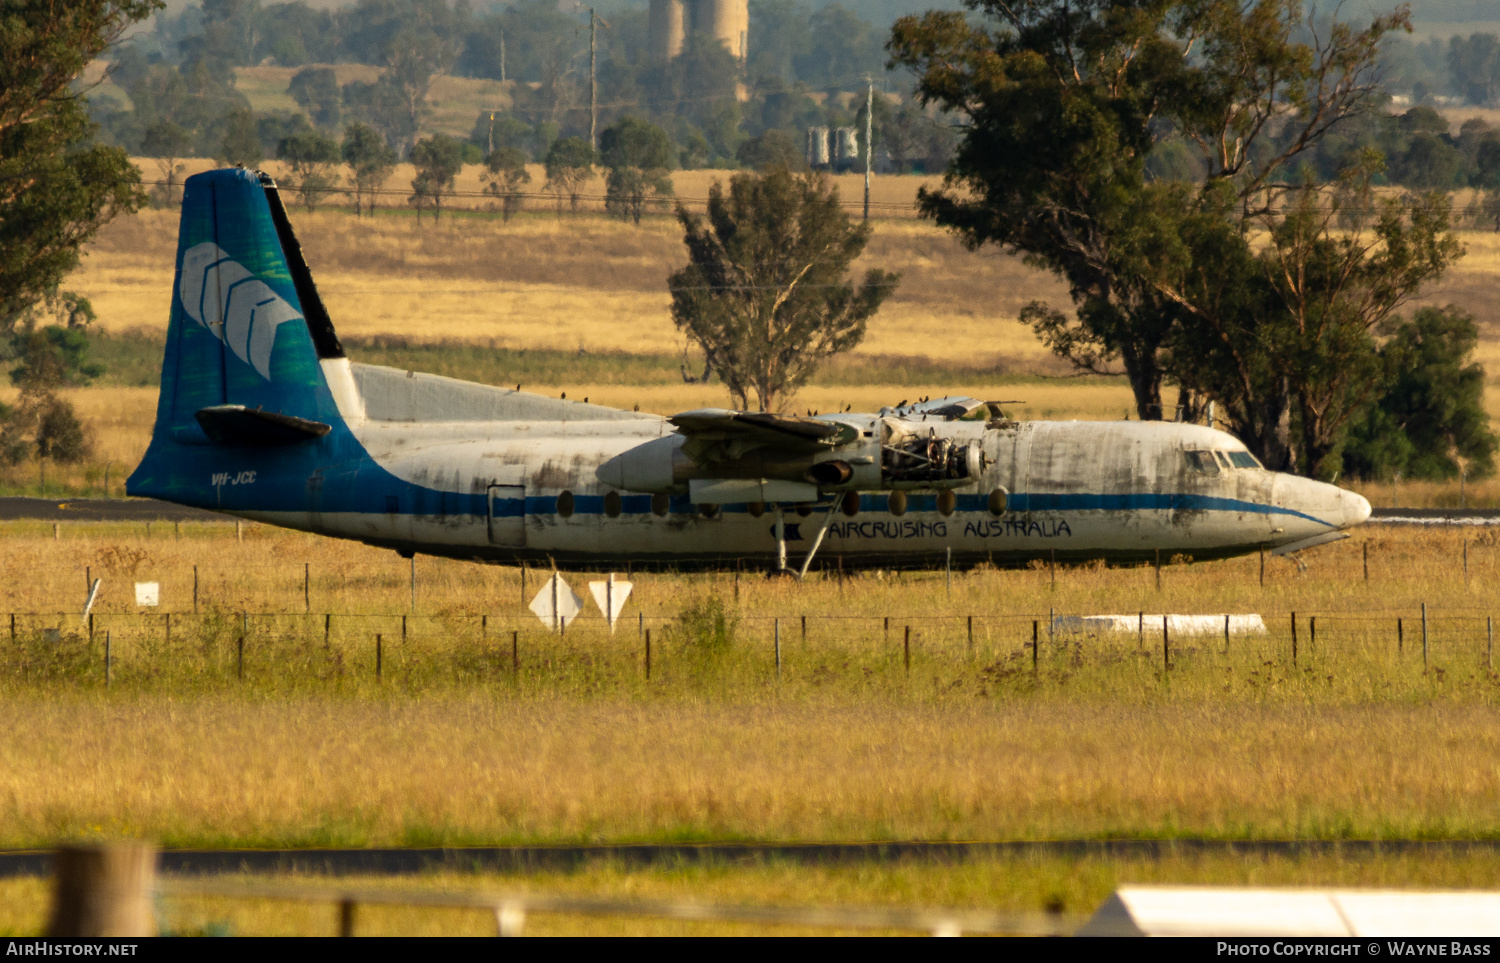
x,y
658,466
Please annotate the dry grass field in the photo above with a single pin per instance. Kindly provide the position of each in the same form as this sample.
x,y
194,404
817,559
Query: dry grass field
x,y
297,742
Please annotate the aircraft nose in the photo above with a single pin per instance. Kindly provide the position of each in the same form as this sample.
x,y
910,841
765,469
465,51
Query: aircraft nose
x,y
1355,509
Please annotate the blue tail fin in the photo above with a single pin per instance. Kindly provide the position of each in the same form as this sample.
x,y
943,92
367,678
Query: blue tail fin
x,y
247,327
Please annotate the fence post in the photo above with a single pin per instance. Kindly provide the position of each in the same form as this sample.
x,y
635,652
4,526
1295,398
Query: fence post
x,y
906,650
195,590
1489,652
379,656
1226,634
327,627
306,587
1312,633
346,917
168,618
804,628
971,636
1424,636
1140,628
1400,637
1466,561
1262,566
648,655
777,631
1166,646
1367,561
1294,638
239,670
103,891
106,660
515,653
1033,646
413,582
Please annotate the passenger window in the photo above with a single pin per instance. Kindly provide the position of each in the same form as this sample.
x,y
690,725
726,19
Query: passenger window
x,y
1243,459
1202,461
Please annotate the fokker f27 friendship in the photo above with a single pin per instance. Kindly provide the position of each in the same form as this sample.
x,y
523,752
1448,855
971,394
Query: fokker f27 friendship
x,y
263,416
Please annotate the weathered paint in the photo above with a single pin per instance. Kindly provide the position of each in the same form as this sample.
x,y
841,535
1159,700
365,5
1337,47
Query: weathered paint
x,y
420,463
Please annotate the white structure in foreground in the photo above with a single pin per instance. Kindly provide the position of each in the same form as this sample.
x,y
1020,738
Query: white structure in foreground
x,y
1204,911
1177,625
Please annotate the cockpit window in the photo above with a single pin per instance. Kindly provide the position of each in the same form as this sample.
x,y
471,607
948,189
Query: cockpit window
x,y
1243,459
1202,461
1223,458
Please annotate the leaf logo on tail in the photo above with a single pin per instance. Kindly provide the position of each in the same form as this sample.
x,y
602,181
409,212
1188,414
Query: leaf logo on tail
x,y
240,309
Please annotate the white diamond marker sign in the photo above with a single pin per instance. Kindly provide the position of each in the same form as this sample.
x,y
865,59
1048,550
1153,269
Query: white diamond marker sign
x,y
148,593
555,604
610,597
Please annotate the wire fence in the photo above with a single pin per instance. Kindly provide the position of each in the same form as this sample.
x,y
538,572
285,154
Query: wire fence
x,y
413,647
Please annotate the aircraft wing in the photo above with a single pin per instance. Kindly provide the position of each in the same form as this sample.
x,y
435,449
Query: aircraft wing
x,y
949,409
720,433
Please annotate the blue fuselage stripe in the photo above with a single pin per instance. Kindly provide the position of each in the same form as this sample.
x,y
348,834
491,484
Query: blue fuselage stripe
x,y
1018,502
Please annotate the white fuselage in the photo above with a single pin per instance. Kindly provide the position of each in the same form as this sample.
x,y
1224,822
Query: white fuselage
x,y
517,477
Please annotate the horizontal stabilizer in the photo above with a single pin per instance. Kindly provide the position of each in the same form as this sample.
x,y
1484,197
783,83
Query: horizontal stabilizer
x,y
238,425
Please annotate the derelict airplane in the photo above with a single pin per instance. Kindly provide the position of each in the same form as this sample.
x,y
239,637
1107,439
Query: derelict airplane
x,y
263,416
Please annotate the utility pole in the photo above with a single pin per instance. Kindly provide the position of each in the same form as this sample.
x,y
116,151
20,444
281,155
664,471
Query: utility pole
x,y
593,79
869,144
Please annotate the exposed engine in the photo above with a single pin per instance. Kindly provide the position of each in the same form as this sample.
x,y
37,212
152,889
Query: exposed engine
x,y
914,460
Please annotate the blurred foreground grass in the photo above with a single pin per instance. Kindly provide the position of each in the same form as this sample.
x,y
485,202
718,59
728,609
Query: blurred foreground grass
x,y
1073,886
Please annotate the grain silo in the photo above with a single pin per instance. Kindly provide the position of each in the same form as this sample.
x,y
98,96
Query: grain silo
x,y
847,152
673,21
668,28
727,21
817,147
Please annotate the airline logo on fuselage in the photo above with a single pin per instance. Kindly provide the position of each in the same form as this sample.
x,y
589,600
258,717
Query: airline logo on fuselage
x,y
240,309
